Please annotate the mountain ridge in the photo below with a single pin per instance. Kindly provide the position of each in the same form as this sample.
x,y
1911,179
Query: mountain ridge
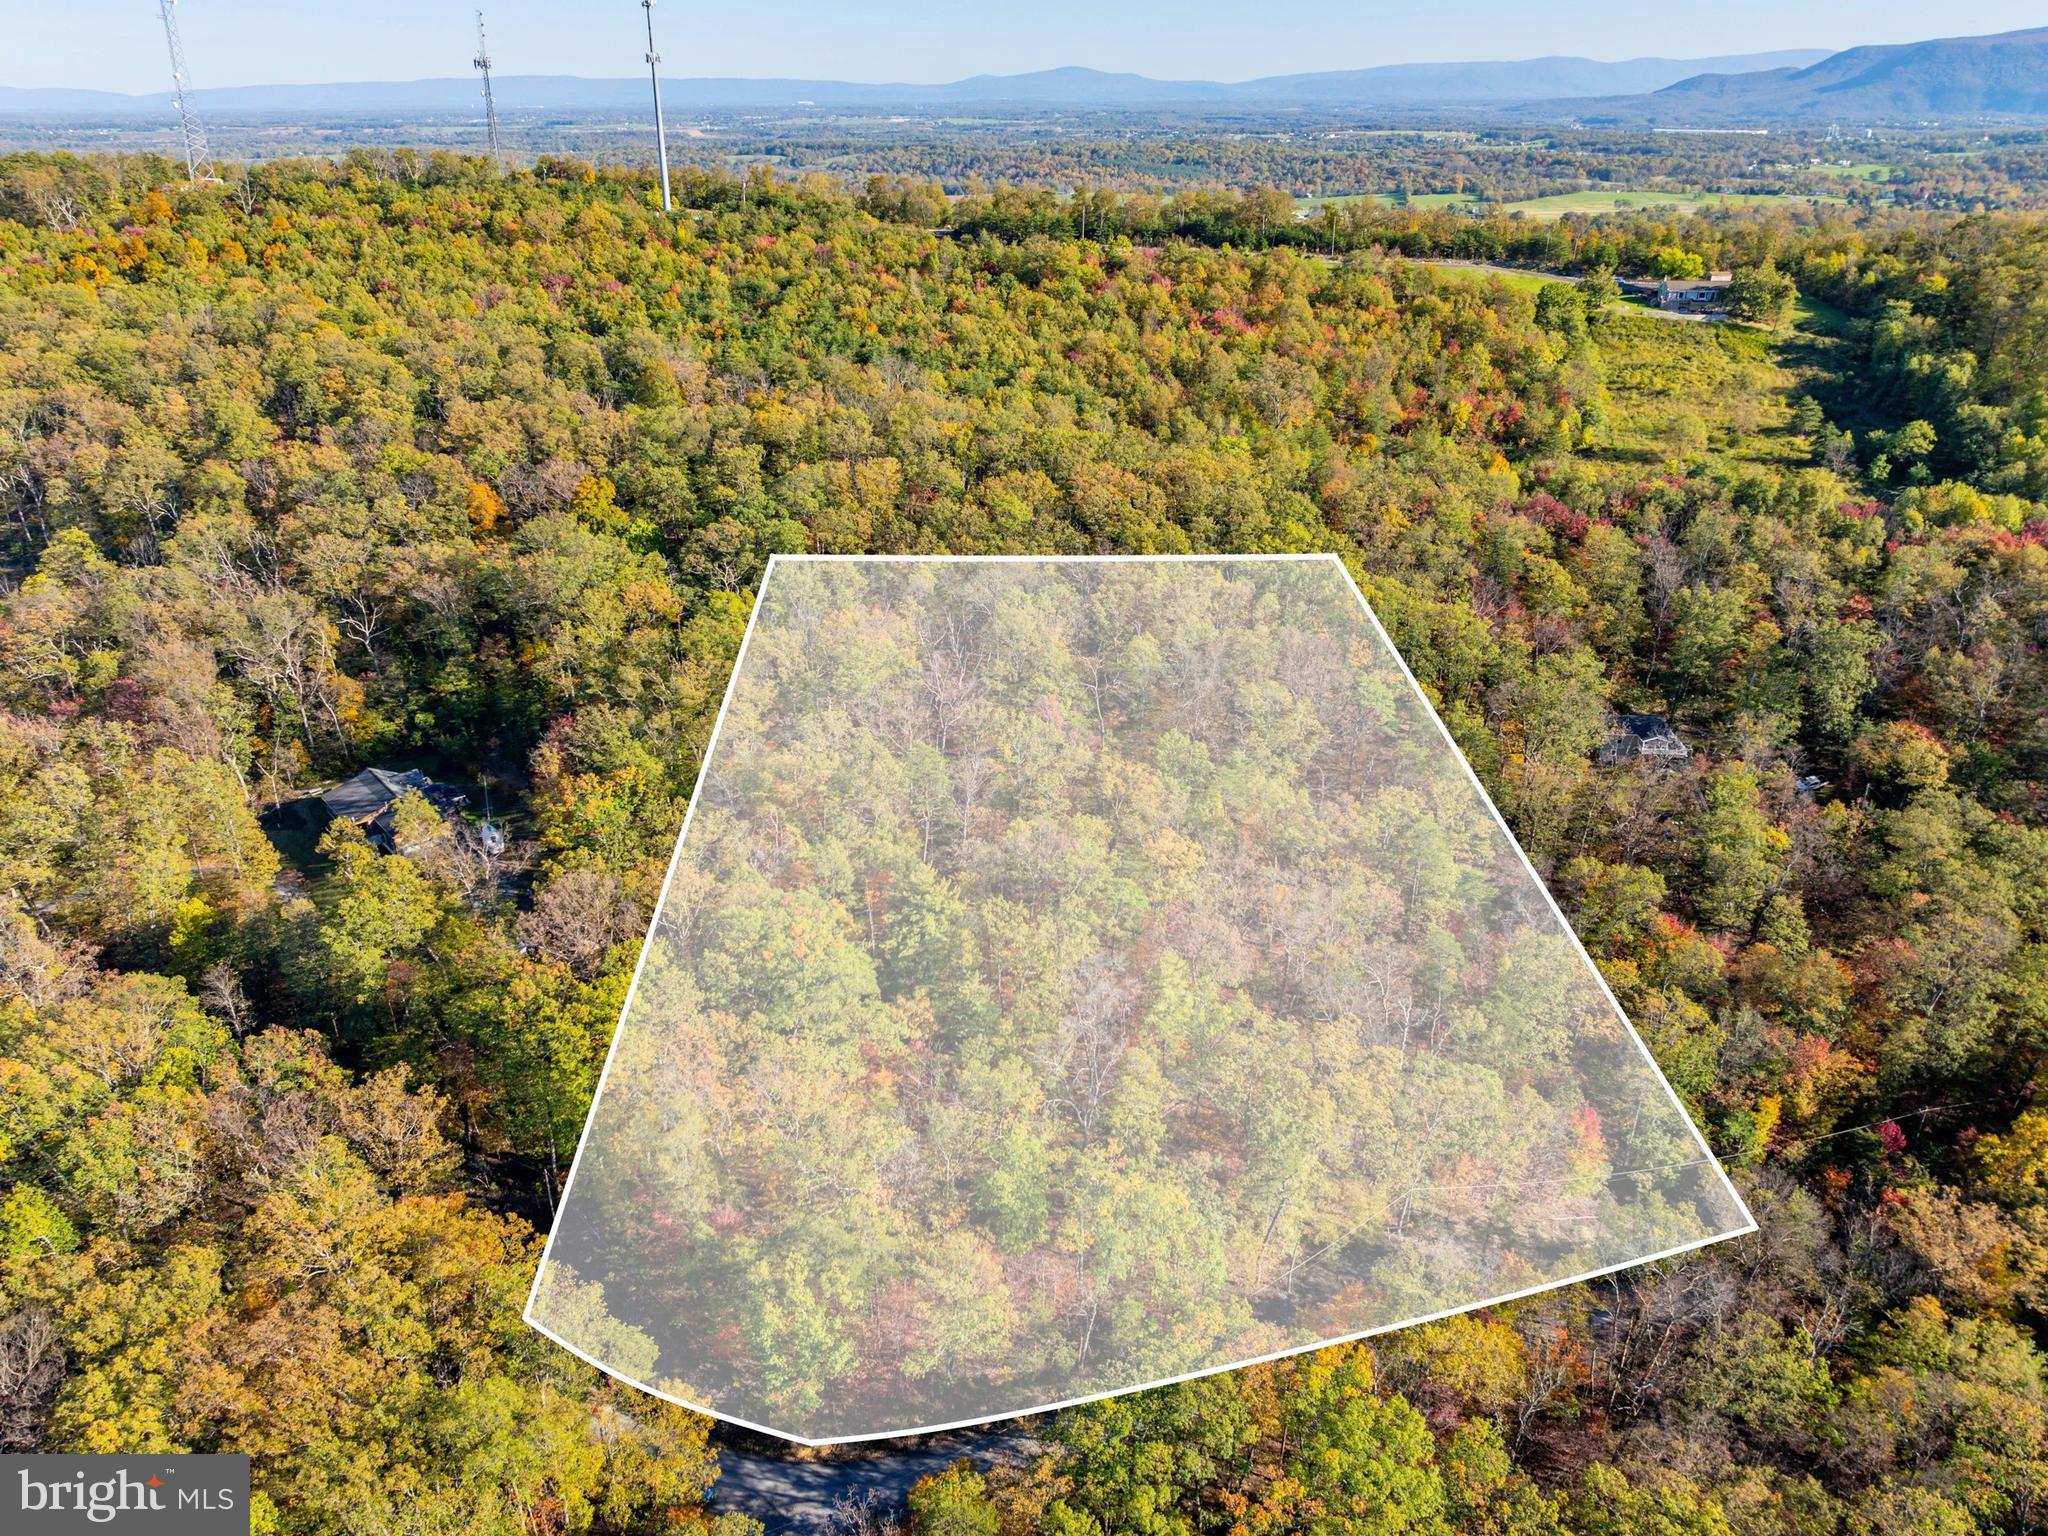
x,y
2001,75
1456,83
1998,74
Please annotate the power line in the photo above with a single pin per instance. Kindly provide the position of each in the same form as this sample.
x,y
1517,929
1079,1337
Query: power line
x,y
198,160
660,126
483,64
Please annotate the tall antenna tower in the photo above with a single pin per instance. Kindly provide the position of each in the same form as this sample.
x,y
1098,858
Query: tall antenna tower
x,y
660,125
198,159
483,64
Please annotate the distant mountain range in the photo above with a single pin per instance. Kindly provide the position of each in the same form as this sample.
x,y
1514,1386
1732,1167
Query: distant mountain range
x,y
2001,76
1391,85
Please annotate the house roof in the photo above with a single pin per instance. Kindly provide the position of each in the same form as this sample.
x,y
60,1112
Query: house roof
x,y
1651,736
1644,727
1647,732
370,791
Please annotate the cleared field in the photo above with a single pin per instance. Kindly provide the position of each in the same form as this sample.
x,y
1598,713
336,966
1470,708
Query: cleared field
x,y
1512,277
1528,281
1557,204
1678,391
1561,203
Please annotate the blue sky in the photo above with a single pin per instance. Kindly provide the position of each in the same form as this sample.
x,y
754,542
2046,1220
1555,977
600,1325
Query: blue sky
x,y
117,45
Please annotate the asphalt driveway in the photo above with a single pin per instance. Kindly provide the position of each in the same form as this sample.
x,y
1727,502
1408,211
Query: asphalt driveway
x,y
812,1497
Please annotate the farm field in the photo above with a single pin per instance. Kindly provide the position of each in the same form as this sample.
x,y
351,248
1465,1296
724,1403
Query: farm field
x,y
1559,204
1586,201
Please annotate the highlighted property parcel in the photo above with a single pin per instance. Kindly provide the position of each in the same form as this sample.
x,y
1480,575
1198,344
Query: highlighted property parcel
x,y
1079,974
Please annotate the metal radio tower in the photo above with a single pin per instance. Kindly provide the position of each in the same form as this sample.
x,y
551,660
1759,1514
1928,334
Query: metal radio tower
x,y
660,127
483,63
197,158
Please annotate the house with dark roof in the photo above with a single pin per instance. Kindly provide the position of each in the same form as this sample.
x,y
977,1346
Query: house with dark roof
x,y
1642,738
370,800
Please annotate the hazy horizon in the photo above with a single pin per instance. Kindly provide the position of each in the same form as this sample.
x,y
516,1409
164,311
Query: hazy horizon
x,y
107,46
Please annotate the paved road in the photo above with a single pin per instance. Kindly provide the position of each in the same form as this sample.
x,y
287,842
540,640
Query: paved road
x,y
794,1497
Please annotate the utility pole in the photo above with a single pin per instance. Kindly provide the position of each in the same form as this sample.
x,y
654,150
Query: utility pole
x,y
197,158
483,64
660,127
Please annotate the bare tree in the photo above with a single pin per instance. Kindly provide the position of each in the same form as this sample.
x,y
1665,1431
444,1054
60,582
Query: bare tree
x,y
1547,1346
220,993
31,1367
1091,1038
578,916
40,967
865,1513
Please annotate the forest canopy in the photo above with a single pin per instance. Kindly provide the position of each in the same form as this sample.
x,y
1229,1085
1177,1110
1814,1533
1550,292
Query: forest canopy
x,y
1077,974
403,459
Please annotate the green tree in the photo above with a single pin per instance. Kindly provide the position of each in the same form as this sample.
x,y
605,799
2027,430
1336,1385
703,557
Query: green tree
x,y
1676,261
1761,294
1739,854
954,1502
383,909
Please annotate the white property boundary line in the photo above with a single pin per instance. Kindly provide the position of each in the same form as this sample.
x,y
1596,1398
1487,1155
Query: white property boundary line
x,y
1578,945
704,768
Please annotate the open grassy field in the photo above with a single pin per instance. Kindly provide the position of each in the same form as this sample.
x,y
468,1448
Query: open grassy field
x,y
1479,271
1561,203
1679,388
1678,391
1867,170
1617,200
